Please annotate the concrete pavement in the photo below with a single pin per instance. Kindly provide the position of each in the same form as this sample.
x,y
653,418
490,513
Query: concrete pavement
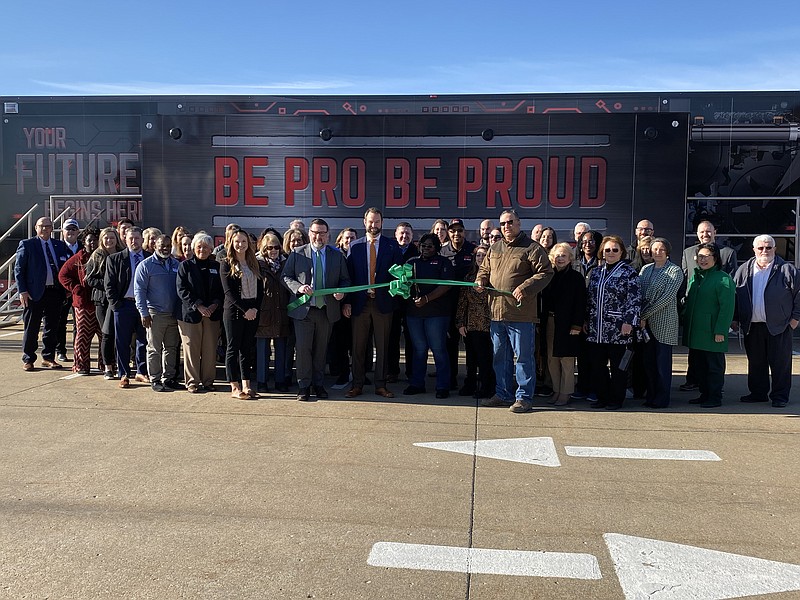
x,y
132,494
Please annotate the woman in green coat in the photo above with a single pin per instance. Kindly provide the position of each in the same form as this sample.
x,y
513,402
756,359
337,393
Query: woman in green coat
x,y
707,317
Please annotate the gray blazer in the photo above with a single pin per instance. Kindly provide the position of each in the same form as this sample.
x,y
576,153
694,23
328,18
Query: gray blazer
x,y
298,272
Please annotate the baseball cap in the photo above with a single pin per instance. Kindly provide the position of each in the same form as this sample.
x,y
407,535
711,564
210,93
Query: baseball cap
x,y
71,223
455,223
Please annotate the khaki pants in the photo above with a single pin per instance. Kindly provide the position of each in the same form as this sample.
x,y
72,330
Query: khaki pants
x,y
200,351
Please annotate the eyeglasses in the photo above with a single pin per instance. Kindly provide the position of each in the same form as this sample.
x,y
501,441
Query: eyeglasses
x,y
456,231
507,223
589,243
704,256
614,250
644,229
764,248
496,236
317,232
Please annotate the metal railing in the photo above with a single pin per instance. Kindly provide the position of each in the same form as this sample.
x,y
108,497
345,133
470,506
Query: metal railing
x,y
10,310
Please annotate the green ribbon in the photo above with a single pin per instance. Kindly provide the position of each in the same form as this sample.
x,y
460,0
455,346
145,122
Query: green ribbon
x,y
401,286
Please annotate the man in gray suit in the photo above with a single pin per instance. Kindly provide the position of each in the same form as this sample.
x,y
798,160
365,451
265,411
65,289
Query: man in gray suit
x,y
314,266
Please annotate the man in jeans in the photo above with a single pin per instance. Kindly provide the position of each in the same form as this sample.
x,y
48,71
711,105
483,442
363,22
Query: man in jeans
x,y
521,266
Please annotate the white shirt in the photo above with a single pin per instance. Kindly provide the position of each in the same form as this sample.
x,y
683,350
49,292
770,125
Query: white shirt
x,y
760,278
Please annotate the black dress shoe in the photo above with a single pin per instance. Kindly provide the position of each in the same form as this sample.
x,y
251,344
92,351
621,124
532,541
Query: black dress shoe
x,y
172,384
304,395
779,404
466,390
320,392
413,391
750,399
281,387
597,404
613,406
441,394
160,387
698,400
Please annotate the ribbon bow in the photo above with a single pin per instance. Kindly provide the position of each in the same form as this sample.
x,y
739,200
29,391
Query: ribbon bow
x,y
402,285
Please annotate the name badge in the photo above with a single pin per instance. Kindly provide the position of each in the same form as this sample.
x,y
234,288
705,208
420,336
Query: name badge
x,y
214,271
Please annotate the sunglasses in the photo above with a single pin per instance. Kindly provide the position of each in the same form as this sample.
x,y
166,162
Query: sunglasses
x,y
273,247
764,248
614,250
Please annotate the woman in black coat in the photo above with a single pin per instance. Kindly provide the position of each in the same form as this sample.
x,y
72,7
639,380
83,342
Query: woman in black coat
x,y
200,291
564,311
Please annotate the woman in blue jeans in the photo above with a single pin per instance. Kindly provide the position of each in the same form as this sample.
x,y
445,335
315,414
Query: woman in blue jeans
x,y
428,317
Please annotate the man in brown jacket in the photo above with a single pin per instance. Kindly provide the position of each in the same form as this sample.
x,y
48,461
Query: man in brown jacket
x,y
521,266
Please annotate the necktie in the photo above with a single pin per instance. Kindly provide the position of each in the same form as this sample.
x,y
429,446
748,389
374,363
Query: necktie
x,y
137,258
319,279
52,260
373,260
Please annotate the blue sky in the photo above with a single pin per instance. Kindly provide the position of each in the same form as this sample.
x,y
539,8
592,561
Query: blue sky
x,y
413,47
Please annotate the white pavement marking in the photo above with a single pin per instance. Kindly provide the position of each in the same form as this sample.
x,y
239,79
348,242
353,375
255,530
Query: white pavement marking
x,y
484,560
73,376
656,569
532,451
643,453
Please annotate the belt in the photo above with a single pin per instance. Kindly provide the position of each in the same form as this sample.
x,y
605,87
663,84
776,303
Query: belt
x,y
50,287
317,307
131,298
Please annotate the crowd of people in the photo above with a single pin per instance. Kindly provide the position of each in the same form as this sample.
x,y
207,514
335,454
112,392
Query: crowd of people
x,y
281,307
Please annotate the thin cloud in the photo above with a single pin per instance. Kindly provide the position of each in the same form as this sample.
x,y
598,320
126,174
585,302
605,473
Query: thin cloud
x,y
161,88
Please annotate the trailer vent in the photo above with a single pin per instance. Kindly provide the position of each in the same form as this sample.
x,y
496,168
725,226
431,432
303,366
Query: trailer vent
x,y
10,108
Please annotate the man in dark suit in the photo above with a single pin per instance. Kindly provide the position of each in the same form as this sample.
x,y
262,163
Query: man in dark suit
x,y
368,262
404,234
120,270
314,266
38,262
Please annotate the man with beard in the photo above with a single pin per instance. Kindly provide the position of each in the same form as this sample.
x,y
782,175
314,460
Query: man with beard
x,y
368,262
485,230
120,270
768,311
310,267
460,253
156,293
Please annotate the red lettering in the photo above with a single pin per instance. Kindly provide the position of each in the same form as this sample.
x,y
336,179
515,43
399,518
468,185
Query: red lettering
x,y
500,177
226,179
324,181
556,199
354,182
296,177
530,164
470,178
426,183
398,183
593,182
251,181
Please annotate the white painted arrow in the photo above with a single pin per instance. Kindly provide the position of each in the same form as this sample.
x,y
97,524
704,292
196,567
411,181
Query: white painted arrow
x,y
542,451
532,451
655,569
640,453
484,560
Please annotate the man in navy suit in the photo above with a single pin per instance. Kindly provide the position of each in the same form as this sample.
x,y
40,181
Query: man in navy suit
x,y
36,271
368,262
314,266
119,280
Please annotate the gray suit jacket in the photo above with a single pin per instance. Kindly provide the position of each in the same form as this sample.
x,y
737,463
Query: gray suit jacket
x,y
298,272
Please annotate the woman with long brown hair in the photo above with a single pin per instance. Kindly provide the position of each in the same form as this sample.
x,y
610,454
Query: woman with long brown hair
x,y
244,290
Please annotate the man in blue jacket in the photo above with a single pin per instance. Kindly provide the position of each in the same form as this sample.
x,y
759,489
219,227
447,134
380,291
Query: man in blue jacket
x,y
768,311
